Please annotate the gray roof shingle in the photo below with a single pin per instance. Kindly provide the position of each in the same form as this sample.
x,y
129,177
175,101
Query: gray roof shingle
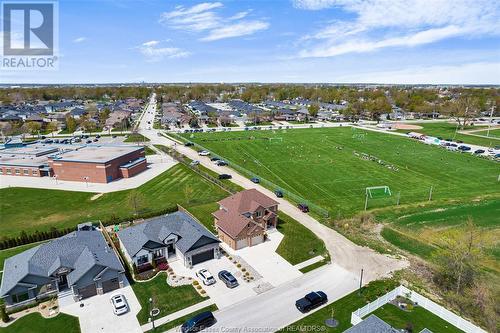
x,y
157,229
79,250
372,324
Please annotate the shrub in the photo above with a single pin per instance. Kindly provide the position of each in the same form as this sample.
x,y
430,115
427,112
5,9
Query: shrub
x,y
243,269
238,265
4,316
196,283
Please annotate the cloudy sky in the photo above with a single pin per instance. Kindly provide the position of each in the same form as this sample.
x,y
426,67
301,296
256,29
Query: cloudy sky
x,y
340,41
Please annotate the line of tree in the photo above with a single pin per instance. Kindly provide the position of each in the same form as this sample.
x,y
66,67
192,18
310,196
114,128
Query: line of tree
x,y
37,236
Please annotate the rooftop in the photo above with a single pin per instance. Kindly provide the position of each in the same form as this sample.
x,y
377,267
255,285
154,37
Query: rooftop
x,y
97,154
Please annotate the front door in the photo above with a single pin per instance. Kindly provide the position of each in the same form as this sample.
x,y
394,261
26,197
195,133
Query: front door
x,y
62,283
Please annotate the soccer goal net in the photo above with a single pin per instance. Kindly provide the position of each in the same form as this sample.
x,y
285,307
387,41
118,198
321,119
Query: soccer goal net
x,y
378,191
275,140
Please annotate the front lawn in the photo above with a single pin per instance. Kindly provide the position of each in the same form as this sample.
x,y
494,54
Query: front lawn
x,y
136,137
418,318
343,308
299,243
34,322
21,209
166,298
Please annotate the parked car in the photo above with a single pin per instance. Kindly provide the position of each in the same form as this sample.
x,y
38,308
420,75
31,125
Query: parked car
x,y
311,301
228,279
114,136
255,180
198,322
278,193
120,305
215,159
205,277
221,163
194,163
464,148
225,176
189,144
303,207
203,153
479,151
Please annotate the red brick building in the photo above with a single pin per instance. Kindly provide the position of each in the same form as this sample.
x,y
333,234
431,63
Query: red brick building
x,y
98,164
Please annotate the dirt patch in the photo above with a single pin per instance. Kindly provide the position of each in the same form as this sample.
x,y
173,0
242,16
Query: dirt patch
x,y
401,126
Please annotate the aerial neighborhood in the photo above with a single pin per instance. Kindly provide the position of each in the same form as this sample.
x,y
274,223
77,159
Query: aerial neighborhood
x,y
306,166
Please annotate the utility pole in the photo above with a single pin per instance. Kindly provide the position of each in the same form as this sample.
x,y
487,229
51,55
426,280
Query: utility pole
x,y
430,194
491,118
360,282
366,201
398,197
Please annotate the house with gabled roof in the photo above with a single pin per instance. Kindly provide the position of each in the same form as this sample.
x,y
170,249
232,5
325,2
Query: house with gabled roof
x,y
244,217
80,263
175,236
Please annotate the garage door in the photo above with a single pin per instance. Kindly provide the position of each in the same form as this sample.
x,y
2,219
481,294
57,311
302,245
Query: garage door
x,y
201,257
88,291
257,240
241,244
110,285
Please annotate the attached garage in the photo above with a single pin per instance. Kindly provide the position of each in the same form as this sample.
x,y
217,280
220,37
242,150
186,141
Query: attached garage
x,y
110,285
201,257
257,240
88,291
241,243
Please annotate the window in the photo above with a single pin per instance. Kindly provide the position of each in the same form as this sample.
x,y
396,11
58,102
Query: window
x,y
20,297
26,172
35,172
142,259
8,171
1,171
258,213
18,172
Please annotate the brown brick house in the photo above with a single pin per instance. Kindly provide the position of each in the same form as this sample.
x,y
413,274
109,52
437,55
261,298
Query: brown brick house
x,y
244,217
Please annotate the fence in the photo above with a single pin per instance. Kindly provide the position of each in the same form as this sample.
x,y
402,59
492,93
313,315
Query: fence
x,y
266,183
424,302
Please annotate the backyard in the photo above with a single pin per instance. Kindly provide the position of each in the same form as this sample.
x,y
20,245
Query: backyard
x,y
29,210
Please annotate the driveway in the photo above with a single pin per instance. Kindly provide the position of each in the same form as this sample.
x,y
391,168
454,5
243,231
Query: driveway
x,y
218,292
97,313
264,259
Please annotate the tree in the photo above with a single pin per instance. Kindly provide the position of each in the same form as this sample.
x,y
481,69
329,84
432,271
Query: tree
x,y
463,109
458,258
136,200
313,110
52,127
33,127
71,124
3,314
89,126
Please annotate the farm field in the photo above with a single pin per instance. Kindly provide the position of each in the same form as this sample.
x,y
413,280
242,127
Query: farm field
x,y
25,209
447,131
332,167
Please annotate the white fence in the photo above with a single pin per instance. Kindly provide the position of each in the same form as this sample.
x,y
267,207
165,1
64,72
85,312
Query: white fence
x,y
438,310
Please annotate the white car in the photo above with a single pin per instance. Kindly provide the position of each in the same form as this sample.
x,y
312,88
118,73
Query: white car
x,y
120,305
205,277
203,153
194,163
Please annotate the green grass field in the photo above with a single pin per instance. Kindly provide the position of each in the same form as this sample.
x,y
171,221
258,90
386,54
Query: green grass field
x,y
419,318
38,209
326,166
166,298
494,133
448,131
36,323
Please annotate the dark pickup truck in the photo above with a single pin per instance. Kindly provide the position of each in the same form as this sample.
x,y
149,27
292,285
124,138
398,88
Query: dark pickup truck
x,y
311,301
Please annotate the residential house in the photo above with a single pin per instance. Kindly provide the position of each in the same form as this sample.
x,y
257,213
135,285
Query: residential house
x,y
78,113
244,217
118,117
285,115
372,324
176,236
80,263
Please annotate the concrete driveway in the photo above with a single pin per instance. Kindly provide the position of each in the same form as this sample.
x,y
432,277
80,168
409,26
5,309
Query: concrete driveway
x,y
97,313
218,292
264,259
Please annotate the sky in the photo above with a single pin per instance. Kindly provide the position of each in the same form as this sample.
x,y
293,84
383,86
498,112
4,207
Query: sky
x,y
326,41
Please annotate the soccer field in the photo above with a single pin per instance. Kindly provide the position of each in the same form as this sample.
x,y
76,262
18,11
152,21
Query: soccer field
x,y
333,166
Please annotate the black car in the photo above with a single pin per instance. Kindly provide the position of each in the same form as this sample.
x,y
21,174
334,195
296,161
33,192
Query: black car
x,y
278,193
311,301
198,322
303,207
221,163
255,180
464,148
189,144
213,159
225,176
479,151
228,279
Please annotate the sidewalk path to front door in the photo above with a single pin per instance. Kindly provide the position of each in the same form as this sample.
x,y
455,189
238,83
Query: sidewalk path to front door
x,y
178,314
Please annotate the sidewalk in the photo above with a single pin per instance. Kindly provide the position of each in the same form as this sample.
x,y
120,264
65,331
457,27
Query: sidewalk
x,y
178,314
309,262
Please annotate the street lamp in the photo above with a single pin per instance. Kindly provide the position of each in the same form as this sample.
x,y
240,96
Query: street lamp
x,y
86,179
151,318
